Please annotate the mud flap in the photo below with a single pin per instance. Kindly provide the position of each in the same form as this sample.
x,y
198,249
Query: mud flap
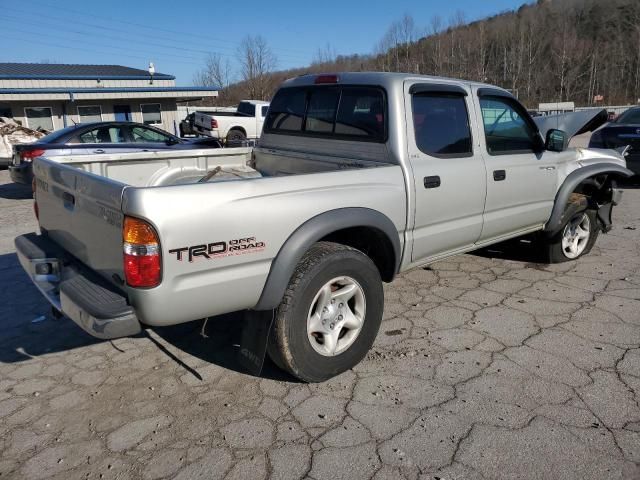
x,y
255,335
604,216
605,211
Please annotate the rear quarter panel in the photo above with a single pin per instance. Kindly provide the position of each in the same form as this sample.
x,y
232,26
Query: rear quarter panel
x,y
267,210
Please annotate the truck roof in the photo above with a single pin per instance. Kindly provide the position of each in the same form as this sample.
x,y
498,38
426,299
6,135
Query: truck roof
x,y
386,79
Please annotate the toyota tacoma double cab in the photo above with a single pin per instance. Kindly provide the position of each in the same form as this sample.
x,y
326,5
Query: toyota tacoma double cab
x,y
357,177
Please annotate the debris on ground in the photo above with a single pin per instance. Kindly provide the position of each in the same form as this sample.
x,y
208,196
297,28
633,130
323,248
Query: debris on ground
x,y
12,133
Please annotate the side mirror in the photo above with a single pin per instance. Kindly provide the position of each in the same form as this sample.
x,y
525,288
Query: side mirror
x,y
556,141
172,141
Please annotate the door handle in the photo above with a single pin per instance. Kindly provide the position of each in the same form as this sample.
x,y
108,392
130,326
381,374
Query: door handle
x,y
499,175
432,182
547,168
98,150
68,200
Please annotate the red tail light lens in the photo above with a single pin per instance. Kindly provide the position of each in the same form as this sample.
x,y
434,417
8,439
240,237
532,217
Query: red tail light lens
x,y
142,270
141,250
29,155
326,79
214,123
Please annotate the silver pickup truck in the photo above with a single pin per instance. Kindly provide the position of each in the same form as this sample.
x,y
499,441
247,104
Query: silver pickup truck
x,y
357,177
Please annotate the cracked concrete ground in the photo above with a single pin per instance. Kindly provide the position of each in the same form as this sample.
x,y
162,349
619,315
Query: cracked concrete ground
x,y
485,367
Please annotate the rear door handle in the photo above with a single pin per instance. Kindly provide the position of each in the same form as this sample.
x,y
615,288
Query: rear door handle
x,y
68,200
99,150
432,182
499,175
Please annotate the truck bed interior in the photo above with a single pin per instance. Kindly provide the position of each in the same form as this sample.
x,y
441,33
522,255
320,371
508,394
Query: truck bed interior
x,y
153,169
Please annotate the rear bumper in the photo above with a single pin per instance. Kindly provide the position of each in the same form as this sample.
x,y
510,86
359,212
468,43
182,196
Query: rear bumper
x,y
86,298
22,173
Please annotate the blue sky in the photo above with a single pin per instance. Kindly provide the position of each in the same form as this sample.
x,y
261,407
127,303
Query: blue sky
x,y
176,35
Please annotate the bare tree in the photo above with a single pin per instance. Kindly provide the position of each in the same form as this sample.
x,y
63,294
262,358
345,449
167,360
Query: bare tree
x,y
256,61
326,54
544,50
435,31
215,73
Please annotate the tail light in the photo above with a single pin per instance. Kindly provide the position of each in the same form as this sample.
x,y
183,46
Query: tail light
x,y
29,155
141,249
214,123
326,78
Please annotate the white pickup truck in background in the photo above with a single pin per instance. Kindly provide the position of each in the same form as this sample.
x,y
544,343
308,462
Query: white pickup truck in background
x,y
232,127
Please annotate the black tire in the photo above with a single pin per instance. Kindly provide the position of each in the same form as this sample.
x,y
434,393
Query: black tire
x,y
553,247
289,346
236,136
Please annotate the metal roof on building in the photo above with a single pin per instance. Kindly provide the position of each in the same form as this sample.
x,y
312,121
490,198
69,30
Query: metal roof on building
x,y
72,94
60,71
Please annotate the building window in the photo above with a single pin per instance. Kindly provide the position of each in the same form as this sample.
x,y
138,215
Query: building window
x,y
90,113
151,114
39,118
5,112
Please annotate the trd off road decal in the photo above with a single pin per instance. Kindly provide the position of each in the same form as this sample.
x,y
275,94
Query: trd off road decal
x,y
237,246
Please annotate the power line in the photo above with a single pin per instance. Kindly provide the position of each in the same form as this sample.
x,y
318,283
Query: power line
x,y
79,32
91,50
119,30
77,12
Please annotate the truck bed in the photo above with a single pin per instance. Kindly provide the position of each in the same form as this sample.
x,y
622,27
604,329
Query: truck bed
x,y
83,204
152,169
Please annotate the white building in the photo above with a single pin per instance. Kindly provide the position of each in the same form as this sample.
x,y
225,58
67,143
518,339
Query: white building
x,y
52,96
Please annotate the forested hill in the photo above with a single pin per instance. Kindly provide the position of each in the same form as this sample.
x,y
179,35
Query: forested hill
x,y
551,50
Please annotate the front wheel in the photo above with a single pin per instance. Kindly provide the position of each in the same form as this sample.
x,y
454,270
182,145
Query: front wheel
x,y
575,239
330,314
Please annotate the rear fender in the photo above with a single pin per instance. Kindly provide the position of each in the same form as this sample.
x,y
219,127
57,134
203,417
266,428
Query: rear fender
x,y
312,231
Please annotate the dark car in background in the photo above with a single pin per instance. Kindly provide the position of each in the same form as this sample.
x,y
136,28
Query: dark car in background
x,y
623,131
97,138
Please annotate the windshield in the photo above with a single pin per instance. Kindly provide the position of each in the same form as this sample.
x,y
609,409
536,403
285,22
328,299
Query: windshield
x,y
630,116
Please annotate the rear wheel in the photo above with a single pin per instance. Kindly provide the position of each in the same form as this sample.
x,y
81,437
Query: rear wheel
x,y
330,313
235,136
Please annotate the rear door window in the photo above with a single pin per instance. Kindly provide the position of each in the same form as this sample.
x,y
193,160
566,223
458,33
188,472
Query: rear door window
x,y
248,109
441,125
101,135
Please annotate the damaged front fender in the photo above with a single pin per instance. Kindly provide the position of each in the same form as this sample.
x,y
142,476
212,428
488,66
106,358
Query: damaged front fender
x,y
599,180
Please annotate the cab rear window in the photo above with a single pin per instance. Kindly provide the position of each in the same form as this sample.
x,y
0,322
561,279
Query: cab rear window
x,y
340,112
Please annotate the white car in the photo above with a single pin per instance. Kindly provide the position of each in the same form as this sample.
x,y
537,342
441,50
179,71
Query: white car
x,y
233,127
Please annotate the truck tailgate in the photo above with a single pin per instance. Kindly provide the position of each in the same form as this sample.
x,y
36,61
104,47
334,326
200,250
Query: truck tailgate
x,y
81,212
202,120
